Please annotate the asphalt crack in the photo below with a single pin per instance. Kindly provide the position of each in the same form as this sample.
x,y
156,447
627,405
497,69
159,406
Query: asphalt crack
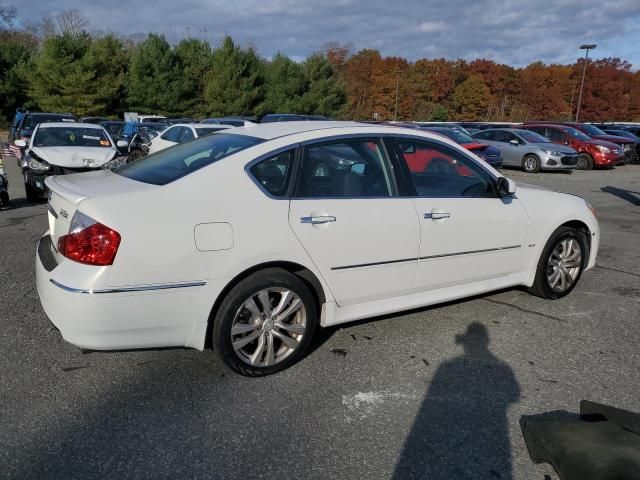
x,y
619,271
526,310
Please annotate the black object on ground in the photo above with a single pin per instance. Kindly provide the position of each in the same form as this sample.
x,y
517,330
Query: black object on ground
x,y
602,443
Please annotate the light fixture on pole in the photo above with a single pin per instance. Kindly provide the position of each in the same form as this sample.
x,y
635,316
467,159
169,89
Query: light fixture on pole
x,y
584,69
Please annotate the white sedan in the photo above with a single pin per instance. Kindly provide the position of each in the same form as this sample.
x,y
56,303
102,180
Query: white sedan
x,y
183,132
250,240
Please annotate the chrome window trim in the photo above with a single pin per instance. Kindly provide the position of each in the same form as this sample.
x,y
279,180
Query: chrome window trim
x,y
142,288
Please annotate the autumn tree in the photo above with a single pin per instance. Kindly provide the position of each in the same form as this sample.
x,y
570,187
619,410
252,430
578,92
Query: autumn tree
x,y
470,99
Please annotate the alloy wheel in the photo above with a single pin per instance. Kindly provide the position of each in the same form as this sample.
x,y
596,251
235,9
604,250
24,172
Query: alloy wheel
x,y
564,264
530,164
268,326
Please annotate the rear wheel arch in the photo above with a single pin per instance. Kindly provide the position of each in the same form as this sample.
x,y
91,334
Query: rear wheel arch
x,y
300,271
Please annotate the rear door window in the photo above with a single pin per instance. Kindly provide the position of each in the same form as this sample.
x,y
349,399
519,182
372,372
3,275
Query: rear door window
x,y
345,168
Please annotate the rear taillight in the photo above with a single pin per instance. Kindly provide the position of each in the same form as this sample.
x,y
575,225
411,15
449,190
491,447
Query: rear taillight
x,y
91,243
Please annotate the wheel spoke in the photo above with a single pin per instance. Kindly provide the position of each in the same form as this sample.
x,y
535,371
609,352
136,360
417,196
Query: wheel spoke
x,y
270,358
292,327
285,298
246,340
296,304
263,296
286,339
257,355
251,305
241,328
553,278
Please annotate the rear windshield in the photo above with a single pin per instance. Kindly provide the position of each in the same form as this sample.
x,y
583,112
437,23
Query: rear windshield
x,y
172,163
70,137
30,121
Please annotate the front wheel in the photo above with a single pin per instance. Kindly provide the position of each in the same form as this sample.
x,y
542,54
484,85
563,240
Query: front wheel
x,y
585,162
265,323
531,163
561,263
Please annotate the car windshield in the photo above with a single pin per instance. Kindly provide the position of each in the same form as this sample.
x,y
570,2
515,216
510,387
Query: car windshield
x,y
31,121
455,135
532,137
170,164
592,130
114,128
577,134
621,133
71,137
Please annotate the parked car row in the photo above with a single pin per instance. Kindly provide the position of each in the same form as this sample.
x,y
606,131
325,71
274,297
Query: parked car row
x,y
557,145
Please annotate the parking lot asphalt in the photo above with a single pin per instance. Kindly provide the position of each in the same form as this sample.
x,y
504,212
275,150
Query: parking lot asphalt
x,y
433,393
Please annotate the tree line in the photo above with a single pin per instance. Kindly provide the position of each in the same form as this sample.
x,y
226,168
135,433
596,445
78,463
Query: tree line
x,y
57,65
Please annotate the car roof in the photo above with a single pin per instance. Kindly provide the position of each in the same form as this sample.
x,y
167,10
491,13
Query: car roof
x,y
202,125
270,131
73,124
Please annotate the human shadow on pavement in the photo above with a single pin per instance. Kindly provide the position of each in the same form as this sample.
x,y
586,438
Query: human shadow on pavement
x,y
461,430
631,197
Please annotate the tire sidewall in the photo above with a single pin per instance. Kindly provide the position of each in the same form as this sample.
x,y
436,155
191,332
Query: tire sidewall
x,y
560,234
238,295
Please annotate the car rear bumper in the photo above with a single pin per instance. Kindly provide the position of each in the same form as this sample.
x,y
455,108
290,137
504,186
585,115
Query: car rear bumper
x,y
93,316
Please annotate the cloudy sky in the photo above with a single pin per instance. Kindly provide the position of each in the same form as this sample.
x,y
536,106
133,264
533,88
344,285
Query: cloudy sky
x,y
510,31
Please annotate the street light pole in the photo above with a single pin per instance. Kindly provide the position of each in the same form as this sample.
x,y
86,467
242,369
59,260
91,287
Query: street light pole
x,y
584,69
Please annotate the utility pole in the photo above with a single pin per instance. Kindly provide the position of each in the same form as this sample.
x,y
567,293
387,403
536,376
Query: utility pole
x,y
584,69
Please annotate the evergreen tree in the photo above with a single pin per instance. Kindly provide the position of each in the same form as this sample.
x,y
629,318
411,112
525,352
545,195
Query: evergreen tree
x,y
285,85
235,85
325,94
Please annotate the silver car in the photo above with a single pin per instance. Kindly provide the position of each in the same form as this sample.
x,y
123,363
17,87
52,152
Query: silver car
x,y
528,150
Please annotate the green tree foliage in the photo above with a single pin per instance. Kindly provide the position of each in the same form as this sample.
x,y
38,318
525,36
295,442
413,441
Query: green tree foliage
x,y
78,74
152,76
193,60
16,48
235,85
285,85
325,93
471,99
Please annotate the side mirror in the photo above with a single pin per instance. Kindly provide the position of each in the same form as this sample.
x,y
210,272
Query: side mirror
x,y
506,187
122,144
514,142
20,143
358,168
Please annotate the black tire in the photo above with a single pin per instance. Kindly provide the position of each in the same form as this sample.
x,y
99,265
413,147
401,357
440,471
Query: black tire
x,y
541,287
531,163
585,162
234,300
4,199
33,195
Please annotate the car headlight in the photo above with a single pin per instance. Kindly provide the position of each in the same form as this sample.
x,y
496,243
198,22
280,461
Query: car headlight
x,y
37,165
116,162
554,153
603,149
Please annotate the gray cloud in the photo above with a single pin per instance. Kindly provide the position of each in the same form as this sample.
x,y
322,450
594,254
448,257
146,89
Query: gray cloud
x,y
508,31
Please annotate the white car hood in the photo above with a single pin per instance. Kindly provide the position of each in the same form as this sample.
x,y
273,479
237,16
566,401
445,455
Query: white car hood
x,y
75,157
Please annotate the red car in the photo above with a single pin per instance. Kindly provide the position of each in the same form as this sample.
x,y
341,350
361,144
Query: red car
x,y
591,152
627,145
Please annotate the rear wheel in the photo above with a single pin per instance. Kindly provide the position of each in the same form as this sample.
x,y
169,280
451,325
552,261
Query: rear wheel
x,y
531,163
265,323
561,263
585,162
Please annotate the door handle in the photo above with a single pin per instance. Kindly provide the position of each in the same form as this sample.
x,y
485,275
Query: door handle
x,y
437,215
317,220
